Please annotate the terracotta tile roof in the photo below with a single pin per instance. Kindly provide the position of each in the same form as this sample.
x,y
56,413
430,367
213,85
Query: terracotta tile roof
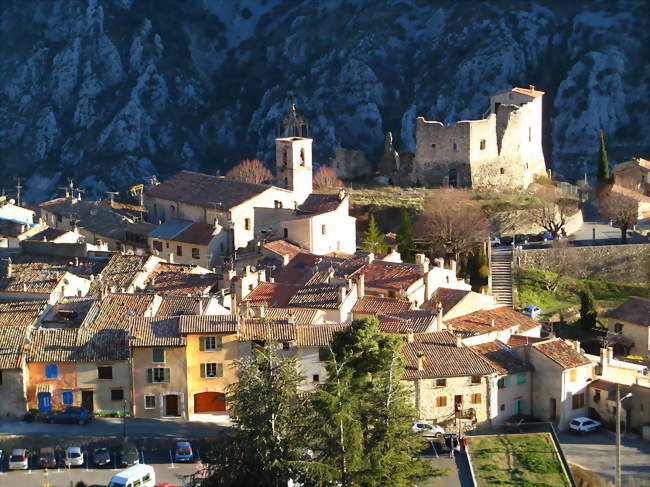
x,y
156,332
261,329
317,293
300,316
501,357
178,279
416,321
634,310
562,353
378,305
98,345
21,313
69,311
181,305
208,324
185,231
630,193
317,335
609,388
442,358
517,340
447,296
115,311
481,322
119,273
271,294
633,163
298,270
204,190
388,275
12,346
32,278
282,248
319,203
54,345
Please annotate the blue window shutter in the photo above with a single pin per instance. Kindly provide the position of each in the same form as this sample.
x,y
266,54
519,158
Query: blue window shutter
x,y
67,398
51,371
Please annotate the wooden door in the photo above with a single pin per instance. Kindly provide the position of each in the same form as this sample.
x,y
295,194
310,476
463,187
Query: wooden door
x,y
88,400
458,402
171,405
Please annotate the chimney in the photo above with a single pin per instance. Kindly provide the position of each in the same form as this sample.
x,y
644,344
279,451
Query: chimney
x,y
7,267
452,265
200,304
492,324
262,312
361,286
459,341
271,279
290,318
409,335
438,262
24,287
578,346
341,294
422,263
604,356
438,316
420,356
610,353
370,257
171,258
532,87
91,277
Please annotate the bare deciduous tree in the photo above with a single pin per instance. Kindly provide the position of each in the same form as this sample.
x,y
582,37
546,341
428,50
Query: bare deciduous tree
x,y
618,205
326,178
250,171
562,261
452,223
552,209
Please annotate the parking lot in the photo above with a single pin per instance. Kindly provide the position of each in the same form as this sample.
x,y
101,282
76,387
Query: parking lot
x,y
162,460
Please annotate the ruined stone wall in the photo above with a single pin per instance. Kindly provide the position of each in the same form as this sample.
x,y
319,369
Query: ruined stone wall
x,y
622,263
350,164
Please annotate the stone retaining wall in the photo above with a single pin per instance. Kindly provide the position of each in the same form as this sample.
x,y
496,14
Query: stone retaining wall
x,y
622,263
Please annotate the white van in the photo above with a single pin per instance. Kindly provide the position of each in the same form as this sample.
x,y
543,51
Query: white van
x,y
136,476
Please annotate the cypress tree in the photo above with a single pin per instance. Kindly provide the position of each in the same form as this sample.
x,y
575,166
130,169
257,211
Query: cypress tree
x,y
406,237
373,239
603,163
588,312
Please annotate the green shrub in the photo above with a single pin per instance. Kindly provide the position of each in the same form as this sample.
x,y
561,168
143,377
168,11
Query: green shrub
x,y
489,467
537,463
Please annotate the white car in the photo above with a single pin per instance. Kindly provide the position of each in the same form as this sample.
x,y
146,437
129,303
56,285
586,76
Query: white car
x,y
428,429
584,425
19,459
74,457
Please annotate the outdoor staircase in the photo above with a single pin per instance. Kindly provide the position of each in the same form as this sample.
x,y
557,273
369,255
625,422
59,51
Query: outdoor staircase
x,y
501,271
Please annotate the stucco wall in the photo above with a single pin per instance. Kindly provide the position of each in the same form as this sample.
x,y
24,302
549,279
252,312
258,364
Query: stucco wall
x,y
13,404
623,263
310,365
506,396
87,378
639,334
65,381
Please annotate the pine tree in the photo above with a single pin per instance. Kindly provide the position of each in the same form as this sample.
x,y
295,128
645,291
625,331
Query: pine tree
x,y
364,414
603,163
406,237
588,311
373,239
478,269
266,447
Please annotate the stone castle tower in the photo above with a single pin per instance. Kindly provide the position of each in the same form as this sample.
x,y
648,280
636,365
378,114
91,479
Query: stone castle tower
x,y
502,151
293,157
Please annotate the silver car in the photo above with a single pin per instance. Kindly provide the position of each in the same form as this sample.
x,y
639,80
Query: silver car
x,y
19,459
74,457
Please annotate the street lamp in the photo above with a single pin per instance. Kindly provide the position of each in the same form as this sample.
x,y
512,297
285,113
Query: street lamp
x,y
619,400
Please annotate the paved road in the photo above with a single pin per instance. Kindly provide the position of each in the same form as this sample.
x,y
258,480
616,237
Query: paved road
x,y
596,452
136,427
605,234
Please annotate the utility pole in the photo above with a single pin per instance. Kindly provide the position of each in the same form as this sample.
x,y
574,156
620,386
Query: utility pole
x,y
18,188
619,400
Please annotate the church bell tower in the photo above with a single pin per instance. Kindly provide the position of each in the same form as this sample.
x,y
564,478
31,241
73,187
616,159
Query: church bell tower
x,y
293,157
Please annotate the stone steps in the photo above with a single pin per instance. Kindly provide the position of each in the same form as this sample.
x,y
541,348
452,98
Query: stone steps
x,y
501,271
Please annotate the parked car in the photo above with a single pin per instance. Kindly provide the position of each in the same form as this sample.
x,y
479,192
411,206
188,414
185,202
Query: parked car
x,y
129,455
183,452
428,429
74,456
584,425
70,414
546,235
532,311
101,455
46,458
495,241
19,459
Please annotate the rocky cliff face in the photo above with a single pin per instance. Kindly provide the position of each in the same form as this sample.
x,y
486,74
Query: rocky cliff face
x,y
113,91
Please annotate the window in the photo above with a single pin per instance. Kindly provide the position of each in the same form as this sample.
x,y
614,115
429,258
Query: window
x,y
158,355
157,245
0,377
482,144
521,378
157,374
433,146
476,399
475,379
315,378
573,375
286,345
105,373
172,210
323,229
530,134
286,233
618,328
166,245
59,218
277,203
284,157
211,344
51,371
179,250
578,401
502,170
323,354
302,157
117,394
502,407
455,147
221,247
286,181
150,402
441,382
211,370
196,253
504,382
441,401
247,223
67,398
